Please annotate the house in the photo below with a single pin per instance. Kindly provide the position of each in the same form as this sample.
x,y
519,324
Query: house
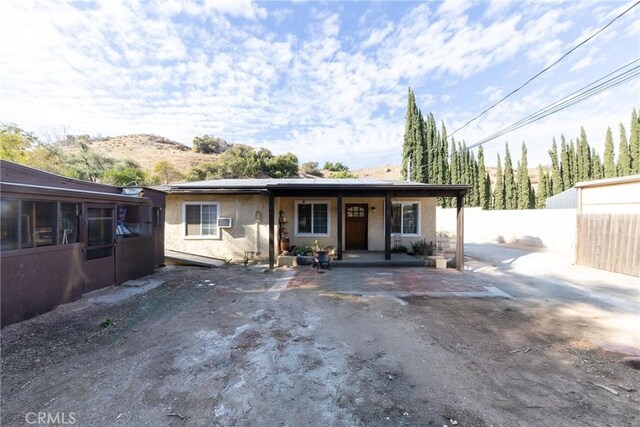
x,y
230,218
62,237
608,230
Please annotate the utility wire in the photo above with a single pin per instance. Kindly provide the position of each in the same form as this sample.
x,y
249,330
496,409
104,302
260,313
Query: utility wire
x,y
546,69
579,95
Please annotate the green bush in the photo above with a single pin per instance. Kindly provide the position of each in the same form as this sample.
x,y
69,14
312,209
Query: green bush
x,y
310,168
342,175
208,144
399,248
335,167
421,247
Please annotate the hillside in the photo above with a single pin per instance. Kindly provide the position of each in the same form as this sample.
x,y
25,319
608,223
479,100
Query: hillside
x,y
146,149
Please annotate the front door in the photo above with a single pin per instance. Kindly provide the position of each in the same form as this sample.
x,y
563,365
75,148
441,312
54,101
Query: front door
x,y
99,234
356,226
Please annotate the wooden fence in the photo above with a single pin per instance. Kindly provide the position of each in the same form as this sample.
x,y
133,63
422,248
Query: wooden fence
x,y
609,242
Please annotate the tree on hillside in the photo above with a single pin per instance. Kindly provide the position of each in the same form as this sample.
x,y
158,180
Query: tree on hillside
x,y
634,143
208,144
88,164
498,193
556,178
125,173
510,189
523,183
164,172
609,158
15,143
310,168
335,167
624,160
281,166
239,161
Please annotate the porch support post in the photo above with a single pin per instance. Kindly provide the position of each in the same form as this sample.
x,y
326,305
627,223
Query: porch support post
x,y
339,207
272,248
387,226
460,232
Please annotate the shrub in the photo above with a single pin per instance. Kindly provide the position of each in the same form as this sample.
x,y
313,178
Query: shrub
x,y
399,248
310,168
335,167
421,247
208,144
342,175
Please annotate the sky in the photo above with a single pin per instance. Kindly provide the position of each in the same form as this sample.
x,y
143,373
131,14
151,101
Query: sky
x,y
327,80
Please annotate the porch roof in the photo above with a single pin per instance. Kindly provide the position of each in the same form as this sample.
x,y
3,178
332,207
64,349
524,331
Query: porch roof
x,y
316,185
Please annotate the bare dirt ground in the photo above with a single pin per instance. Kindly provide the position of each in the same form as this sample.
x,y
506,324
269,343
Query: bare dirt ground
x,y
232,347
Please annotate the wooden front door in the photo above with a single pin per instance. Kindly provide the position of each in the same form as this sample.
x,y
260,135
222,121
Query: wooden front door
x,y
356,220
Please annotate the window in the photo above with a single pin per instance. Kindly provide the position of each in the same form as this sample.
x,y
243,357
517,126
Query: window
x,y
39,224
312,218
69,223
9,224
201,220
405,218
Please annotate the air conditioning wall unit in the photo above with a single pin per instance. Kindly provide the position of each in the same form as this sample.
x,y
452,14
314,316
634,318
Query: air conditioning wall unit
x,y
225,223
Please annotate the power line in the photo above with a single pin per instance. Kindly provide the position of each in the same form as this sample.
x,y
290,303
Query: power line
x,y
579,95
545,69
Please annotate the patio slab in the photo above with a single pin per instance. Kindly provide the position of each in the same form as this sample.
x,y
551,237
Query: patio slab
x,y
401,283
376,259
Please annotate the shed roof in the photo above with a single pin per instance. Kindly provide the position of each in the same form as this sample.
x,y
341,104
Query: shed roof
x,y
608,181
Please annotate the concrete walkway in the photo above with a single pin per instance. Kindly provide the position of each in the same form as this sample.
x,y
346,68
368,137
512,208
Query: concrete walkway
x,y
538,274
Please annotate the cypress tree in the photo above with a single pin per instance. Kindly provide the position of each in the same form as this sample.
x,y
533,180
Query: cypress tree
x,y
455,179
532,195
597,171
624,160
556,179
485,196
510,189
408,145
584,157
543,186
444,155
565,164
573,163
498,194
634,143
523,184
609,162
419,153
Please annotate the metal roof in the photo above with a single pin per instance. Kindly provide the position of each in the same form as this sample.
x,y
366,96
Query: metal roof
x,y
307,183
608,181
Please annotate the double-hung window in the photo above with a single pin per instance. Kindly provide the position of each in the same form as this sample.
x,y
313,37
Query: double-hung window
x,y
201,220
312,218
405,219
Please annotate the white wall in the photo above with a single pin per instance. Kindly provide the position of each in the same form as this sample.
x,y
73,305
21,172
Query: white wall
x,y
549,228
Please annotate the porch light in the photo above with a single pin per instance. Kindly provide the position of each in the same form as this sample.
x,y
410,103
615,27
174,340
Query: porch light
x,y
373,209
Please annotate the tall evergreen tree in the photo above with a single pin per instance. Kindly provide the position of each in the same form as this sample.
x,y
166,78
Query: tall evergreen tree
x,y
498,193
609,162
523,184
408,145
624,160
634,143
453,167
573,163
583,157
565,164
510,189
556,178
597,170
485,196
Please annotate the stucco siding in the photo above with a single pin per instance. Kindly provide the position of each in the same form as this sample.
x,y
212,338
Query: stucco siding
x,y
245,235
248,235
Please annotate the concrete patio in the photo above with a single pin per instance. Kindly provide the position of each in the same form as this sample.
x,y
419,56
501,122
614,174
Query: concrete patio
x,y
376,259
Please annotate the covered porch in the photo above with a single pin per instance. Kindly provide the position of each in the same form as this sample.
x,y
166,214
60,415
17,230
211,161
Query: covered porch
x,y
378,198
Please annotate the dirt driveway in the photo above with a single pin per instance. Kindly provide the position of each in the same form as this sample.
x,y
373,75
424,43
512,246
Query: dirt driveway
x,y
233,347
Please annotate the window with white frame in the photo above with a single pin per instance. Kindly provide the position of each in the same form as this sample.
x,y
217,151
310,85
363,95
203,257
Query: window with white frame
x,y
201,220
312,218
405,218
